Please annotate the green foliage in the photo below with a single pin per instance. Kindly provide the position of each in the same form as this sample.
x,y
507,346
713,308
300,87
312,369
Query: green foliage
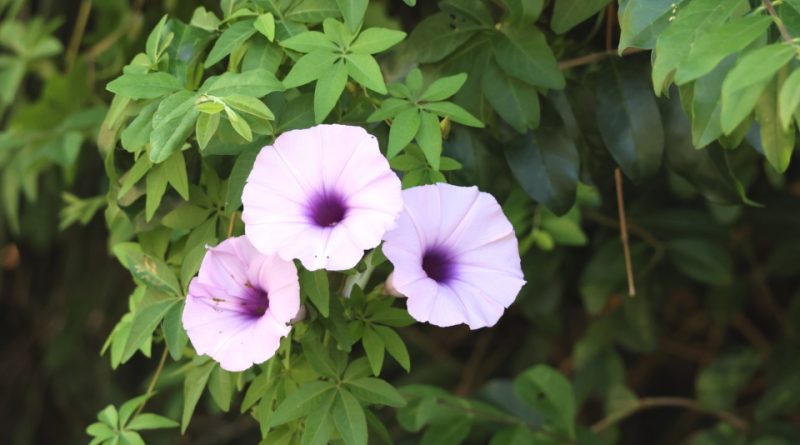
x,y
522,98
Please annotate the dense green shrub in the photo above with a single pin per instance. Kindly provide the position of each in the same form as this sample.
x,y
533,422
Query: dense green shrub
x,y
149,117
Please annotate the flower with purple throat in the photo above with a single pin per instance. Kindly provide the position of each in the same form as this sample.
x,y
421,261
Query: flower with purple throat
x,y
455,256
240,304
322,195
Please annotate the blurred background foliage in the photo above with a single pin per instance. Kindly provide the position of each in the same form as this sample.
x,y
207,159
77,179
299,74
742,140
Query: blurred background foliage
x,y
714,237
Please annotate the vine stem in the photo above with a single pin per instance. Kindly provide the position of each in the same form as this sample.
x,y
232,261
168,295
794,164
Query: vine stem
x,y
668,402
778,22
623,232
77,33
151,387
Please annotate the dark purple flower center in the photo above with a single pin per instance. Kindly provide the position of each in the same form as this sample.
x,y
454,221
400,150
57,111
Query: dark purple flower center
x,y
438,265
255,301
327,209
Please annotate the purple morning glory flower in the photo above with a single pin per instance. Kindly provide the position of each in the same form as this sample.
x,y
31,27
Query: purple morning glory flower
x,y
322,195
240,304
455,256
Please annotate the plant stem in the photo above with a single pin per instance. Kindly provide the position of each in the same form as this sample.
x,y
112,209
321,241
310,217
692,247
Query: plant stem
x,y
778,22
668,402
77,33
623,232
153,381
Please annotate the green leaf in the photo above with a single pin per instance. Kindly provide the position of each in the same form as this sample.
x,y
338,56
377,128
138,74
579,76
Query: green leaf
x,y
127,408
221,388
315,287
109,416
375,391
454,112
712,47
265,24
329,88
239,173
148,421
789,99
776,142
374,347
174,334
747,80
348,416
702,259
230,40
353,12
568,13
310,41
550,393
144,85
629,120
205,127
395,345
319,424
718,385
707,169
449,433
394,316
255,83
524,10
524,54
642,21
173,122
175,169
442,88
249,105
152,271
365,70
145,321
239,124
100,431
309,68
404,127
390,107
130,438
376,40
155,187
674,44
312,11
301,402
545,163
137,134
337,32
262,55
193,387
438,36
706,106
515,101
429,138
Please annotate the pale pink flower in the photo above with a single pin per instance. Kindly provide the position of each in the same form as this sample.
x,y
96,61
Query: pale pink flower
x,y
455,256
322,195
240,304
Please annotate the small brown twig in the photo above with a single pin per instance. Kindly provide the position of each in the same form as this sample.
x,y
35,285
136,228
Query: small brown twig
x,y
153,381
778,22
77,33
623,232
668,402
